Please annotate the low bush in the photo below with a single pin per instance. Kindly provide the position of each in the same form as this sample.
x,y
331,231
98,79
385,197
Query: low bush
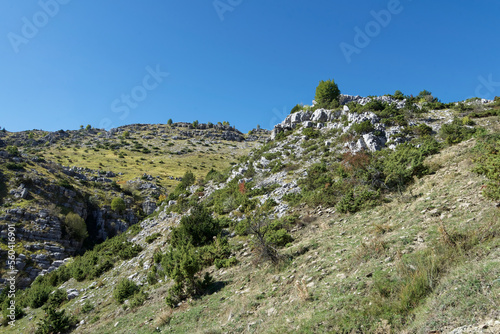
x,y
422,130
76,227
455,132
39,292
225,263
87,307
15,166
199,228
279,238
55,322
355,199
152,237
118,205
272,156
57,297
124,290
138,299
181,264
363,127
487,163
13,151
228,198
310,133
297,108
152,276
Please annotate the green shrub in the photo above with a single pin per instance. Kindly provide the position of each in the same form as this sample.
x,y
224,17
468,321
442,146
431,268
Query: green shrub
x,y
310,133
129,251
13,151
241,228
281,136
152,237
217,250
138,299
422,130
398,95
225,263
375,106
187,180
279,238
151,277
15,166
354,201
198,228
264,235
59,276
294,198
94,263
363,127
272,156
297,108
276,166
39,292
227,199
487,163
55,322
317,177
181,264
65,184
216,176
269,204
75,226
87,307
467,121
118,205
134,230
455,132
57,297
486,113
5,304
326,93
124,290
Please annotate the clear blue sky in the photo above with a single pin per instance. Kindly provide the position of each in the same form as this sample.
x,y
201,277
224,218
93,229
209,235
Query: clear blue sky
x,y
246,62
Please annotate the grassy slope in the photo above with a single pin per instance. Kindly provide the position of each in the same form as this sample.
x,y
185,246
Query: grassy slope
x,y
325,288
163,161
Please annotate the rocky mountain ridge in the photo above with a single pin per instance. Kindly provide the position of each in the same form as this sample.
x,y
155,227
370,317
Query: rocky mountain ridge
x,y
37,193
350,228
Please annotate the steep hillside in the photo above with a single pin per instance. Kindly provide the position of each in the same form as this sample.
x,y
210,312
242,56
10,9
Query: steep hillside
x,y
377,215
47,176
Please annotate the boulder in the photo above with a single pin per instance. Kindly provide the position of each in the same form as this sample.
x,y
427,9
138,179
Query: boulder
x,y
297,117
368,142
374,143
320,115
149,206
72,293
275,132
366,116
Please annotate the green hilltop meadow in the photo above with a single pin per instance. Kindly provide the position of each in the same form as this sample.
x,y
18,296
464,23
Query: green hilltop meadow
x,y
355,214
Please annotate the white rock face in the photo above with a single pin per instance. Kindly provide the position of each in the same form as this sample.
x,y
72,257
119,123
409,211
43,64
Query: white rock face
x,y
297,117
344,99
367,142
320,115
374,143
366,116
